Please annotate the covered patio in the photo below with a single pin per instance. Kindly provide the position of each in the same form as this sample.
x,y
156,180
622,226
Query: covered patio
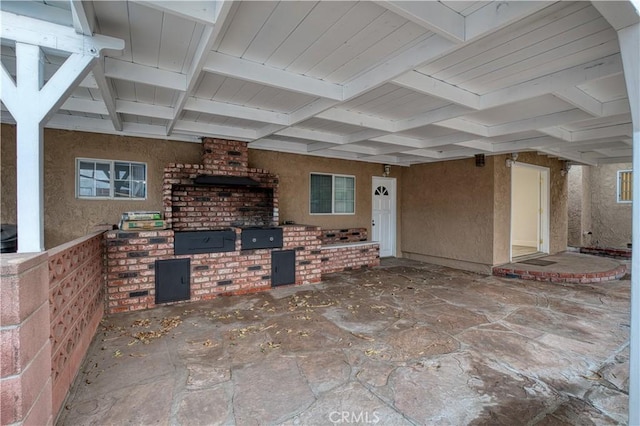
x,y
404,343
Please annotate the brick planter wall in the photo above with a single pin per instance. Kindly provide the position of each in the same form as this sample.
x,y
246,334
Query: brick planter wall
x,y
340,236
131,260
615,253
349,256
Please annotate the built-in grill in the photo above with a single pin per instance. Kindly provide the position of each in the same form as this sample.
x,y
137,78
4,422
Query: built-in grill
x,y
196,242
261,237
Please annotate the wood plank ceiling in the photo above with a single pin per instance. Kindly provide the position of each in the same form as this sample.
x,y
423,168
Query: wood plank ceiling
x,y
388,82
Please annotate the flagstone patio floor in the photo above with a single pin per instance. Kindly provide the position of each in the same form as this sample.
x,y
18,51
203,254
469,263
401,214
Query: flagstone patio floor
x,y
404,343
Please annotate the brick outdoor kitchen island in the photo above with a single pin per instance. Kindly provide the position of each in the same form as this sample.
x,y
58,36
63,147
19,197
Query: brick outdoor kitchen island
x,y
224,238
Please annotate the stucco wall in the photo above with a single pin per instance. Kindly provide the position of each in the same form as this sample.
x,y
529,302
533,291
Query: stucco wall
x,y
575,208
610,220
67,217
459,215
294,173
447,213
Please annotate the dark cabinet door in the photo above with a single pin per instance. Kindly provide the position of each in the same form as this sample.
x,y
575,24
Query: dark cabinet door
x,y
173,280
283,267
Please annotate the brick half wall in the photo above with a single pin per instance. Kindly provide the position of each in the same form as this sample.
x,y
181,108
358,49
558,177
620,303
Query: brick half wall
x,y
346,257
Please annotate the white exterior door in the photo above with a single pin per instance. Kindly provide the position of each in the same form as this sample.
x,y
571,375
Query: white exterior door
x,y
383,215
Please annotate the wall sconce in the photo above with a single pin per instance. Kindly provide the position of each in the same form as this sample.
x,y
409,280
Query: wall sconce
x,y
387,170
479,160
512,160
566,166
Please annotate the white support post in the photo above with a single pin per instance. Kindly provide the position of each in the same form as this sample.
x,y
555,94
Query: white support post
x,y
29,150
629,38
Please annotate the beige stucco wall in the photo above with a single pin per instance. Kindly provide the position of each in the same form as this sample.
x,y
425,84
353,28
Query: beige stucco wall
x,y
447,213
610,220
67,217
294,170
459,215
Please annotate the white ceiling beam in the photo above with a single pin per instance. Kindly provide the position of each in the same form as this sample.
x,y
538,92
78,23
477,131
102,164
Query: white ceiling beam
x,y
463,125
428,153
53,36
615,160
85,105
106,90
89,81
230,66
236,111
364,135
214,130
557,132
432,15
477,144
129,71
8,90
313,135
310,110
525,144
496,15
83,17
357,119
97,125
418,82
424,119
401,141
580,99
619,14
209,36
144,109
602,132
425,51
534,123
203,12
560,80
575,157
620,106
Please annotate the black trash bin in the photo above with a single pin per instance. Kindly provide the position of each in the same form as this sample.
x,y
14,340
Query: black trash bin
x,y
8,238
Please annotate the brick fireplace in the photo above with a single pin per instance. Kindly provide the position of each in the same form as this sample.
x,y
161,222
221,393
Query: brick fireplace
x,y
189,206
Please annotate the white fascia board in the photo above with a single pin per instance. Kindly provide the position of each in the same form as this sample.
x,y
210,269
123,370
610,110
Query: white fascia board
x,y
576,158
230,66
432,15
129,71
615,160
236,111
58,37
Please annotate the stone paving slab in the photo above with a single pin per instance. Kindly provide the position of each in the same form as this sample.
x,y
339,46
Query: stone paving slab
x,y
405,343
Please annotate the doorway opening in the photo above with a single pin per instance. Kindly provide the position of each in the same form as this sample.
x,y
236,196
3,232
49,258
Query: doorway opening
x,y
529,211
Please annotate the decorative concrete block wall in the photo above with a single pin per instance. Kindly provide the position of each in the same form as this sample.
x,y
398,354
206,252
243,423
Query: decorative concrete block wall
x,y
25,356
76,302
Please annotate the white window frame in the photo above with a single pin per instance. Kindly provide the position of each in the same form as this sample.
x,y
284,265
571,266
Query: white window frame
x,y
111,179
618,187
333,194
